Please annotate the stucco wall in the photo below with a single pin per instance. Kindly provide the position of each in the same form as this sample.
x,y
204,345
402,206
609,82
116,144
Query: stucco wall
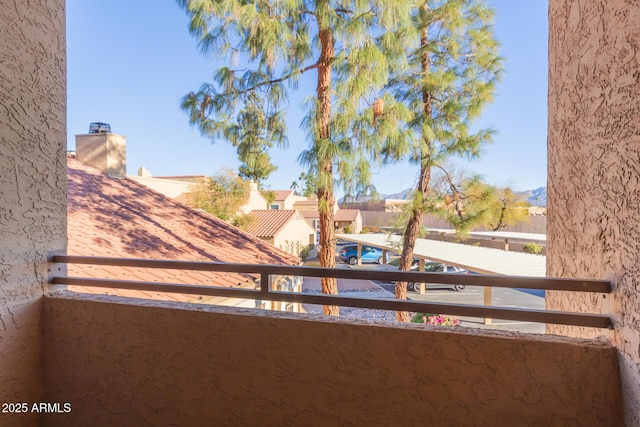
x,y
168,187
32,186
594,166
122,364
256,200
295,236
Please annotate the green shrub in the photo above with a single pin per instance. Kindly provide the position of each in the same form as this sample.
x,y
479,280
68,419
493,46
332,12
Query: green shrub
x,y
304,253
532,248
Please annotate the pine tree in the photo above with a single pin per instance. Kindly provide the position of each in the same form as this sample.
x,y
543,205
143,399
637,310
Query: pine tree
x,y
453,67
277,42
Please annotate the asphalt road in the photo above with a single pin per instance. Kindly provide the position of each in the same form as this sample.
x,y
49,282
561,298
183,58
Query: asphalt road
x,y
501,297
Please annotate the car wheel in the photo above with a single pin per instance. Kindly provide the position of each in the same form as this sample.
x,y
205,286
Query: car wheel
x,y
353,260
458,287
415,286
379,260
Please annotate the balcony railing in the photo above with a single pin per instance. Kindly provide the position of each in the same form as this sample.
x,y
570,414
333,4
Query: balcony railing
x,y
266,272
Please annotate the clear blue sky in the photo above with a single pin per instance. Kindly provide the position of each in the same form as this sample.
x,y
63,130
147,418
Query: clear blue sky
x,y
130,62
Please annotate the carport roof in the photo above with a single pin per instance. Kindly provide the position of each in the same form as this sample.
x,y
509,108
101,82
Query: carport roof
x,y
511,235
482,260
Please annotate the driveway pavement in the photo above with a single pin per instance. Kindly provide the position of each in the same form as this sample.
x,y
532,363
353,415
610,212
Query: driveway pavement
x,y
502,297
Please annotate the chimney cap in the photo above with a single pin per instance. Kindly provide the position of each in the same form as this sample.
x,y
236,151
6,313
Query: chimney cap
x,y
99,127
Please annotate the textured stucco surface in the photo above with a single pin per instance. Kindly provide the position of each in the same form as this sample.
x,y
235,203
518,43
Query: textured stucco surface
x,y
594,167
32,186
119,363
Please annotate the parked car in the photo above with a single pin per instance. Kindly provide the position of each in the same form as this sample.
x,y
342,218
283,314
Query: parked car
x,y
394,265
429,266
436,267
349,254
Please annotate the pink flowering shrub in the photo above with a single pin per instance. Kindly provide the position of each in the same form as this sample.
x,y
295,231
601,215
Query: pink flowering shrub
x,y
435,319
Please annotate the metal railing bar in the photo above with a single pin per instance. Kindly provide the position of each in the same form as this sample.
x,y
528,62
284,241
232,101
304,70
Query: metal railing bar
x,y
525,315
580,285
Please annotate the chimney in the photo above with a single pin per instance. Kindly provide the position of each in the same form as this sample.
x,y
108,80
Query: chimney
x,y
104,151
144,172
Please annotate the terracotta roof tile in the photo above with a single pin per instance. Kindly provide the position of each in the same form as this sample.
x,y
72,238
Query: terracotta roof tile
x,y
268,223
121,218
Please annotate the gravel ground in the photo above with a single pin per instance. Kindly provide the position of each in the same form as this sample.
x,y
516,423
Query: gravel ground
x,y
363,313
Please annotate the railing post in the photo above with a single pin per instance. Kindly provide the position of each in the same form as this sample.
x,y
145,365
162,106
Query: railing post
x,y
55,270
265,283
608,304
422,284
488,291
359,254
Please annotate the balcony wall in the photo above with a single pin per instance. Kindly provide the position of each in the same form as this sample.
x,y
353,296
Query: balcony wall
x,y
32,187
120,362
594,168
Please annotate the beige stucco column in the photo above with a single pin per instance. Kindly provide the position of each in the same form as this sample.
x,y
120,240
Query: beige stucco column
x,y
594,168
32,187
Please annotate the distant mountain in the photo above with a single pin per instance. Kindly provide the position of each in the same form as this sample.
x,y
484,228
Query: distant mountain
x,y
403,195
537,197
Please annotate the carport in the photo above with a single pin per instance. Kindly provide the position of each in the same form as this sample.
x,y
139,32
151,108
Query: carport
x,y
481,260
478,259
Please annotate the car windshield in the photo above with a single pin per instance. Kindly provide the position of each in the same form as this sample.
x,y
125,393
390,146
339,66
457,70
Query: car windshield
x,y
433,267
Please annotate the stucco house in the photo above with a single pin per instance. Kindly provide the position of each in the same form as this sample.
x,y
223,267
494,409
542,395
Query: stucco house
x,y
284,229
285,199
345,219
178,187
175,187
348,221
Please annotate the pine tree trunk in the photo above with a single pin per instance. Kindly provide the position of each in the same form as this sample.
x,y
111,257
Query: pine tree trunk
x,y
409,240
415,220
326,198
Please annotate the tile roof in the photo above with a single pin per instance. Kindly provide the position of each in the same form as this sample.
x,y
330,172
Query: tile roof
x,y
121,218
310,214
346,214
281,195
268,223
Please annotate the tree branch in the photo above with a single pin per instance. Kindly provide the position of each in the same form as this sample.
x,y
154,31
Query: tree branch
x,y
270,82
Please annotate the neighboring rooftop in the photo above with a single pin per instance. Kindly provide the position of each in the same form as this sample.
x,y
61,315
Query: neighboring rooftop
x,y
282,194
268,223
121,218
346,214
